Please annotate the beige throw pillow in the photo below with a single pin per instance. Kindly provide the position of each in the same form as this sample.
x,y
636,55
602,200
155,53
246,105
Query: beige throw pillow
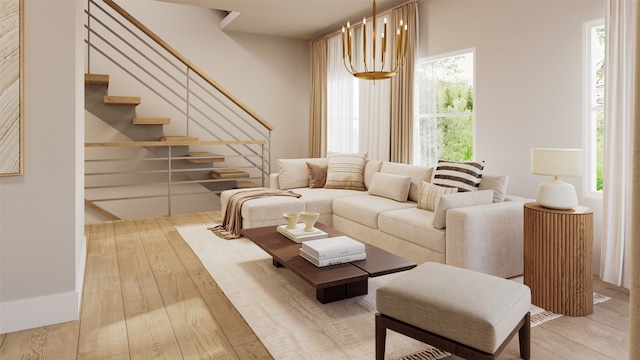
x,y
430,194
346,171
496,183
317,175
390,186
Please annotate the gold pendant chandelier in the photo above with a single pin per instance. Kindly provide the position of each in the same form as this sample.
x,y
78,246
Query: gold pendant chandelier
x,y
377,70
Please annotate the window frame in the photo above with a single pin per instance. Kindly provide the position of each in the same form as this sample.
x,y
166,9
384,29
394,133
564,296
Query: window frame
x,y
589,121
416,113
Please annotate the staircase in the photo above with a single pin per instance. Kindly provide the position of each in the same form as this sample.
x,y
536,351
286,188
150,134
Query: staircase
x,y
178,145
205,168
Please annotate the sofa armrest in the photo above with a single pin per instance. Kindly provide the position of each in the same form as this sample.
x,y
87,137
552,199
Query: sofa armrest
x,y
273,181
487,238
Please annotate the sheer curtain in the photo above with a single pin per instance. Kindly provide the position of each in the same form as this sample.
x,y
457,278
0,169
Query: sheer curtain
x,y
374,100
618,148
342,110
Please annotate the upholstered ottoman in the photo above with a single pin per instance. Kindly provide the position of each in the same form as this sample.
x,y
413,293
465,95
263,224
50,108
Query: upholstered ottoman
x,y
466,313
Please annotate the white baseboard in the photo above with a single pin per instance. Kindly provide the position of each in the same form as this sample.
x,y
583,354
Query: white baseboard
x,y
45,310
41,311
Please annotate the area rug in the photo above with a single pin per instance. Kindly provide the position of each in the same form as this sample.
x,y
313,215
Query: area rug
x,y
283,311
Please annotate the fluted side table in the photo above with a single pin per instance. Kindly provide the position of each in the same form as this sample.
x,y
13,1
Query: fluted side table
x,y
558,260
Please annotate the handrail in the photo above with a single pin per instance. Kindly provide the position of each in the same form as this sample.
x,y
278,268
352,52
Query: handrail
x,y
173,143
186,62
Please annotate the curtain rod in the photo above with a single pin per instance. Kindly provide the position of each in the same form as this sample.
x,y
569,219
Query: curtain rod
x,y
356,24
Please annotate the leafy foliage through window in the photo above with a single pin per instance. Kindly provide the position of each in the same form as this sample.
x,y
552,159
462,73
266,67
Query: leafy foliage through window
x,y
444,123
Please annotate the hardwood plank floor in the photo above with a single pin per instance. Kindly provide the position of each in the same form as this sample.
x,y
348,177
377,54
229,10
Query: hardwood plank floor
x,y
146,295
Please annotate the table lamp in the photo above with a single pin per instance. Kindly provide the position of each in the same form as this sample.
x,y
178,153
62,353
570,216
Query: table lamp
x,y
557,194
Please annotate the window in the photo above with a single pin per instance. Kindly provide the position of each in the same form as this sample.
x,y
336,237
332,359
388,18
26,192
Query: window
x,y
593,58
444,122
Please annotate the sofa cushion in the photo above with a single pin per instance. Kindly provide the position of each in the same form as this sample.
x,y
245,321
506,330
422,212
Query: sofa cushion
x,y
365,209
414,225
293,173
390,186
372,167
466,176
346,171
418,175
430,195
317,175
321,200
463,199
496,183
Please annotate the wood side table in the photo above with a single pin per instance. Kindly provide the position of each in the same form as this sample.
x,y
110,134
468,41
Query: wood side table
x,y
558,260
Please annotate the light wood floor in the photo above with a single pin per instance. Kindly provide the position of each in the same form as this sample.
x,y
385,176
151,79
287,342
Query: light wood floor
x,y
146,295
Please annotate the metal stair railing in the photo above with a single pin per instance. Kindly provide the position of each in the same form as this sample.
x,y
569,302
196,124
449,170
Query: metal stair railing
x,y
197,105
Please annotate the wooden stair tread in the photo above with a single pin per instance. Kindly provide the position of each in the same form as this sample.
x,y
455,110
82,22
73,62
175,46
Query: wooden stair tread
x,y
228,173
204,157
179,138
247,185
152,121
96,79
122,100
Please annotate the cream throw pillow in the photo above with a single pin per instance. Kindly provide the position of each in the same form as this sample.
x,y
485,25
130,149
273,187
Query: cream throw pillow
x,y
463,199
390,186
430,194
497,183
346,171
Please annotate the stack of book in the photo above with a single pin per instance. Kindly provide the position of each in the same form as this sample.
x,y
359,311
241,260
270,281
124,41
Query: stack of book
x,y
298,234
332,251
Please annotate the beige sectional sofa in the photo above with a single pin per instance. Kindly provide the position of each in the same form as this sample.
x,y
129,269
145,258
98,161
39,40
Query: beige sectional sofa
x,y
479,230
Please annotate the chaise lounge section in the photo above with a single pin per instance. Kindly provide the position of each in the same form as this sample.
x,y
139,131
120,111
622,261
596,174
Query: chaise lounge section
x,y
401,208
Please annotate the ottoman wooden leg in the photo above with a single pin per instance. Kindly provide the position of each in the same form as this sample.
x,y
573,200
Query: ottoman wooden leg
x,y
381,338
524,337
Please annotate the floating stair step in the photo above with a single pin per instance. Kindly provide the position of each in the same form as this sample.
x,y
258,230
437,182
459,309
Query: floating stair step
x,y
122,100
178,138
247,185
152,121
96,79
228,174
204,157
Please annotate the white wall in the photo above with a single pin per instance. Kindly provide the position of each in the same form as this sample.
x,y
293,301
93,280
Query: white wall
x,y
528,79
42,245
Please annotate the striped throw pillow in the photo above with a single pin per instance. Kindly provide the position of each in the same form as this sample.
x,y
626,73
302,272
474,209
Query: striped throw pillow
x,y
465,176
346,171
430,194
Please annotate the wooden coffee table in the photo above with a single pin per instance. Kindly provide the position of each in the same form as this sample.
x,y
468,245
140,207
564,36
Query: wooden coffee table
x,y
332,283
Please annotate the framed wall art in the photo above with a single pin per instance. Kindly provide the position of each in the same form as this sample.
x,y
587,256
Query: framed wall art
x,y
11,88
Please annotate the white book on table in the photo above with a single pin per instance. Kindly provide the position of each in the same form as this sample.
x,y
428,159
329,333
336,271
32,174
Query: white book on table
x,y
333,247
298,234
332,261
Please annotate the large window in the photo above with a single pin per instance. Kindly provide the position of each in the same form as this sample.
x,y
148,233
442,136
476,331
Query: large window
x,y
444,123
594,43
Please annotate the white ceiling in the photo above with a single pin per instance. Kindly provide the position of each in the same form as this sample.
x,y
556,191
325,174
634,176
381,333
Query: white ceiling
x,y
300,19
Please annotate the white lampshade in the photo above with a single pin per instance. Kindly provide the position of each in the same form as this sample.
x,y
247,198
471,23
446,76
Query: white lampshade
x,y
557,194
556,162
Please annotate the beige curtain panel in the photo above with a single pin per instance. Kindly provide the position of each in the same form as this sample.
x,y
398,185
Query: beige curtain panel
x,y
401,129
318,100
